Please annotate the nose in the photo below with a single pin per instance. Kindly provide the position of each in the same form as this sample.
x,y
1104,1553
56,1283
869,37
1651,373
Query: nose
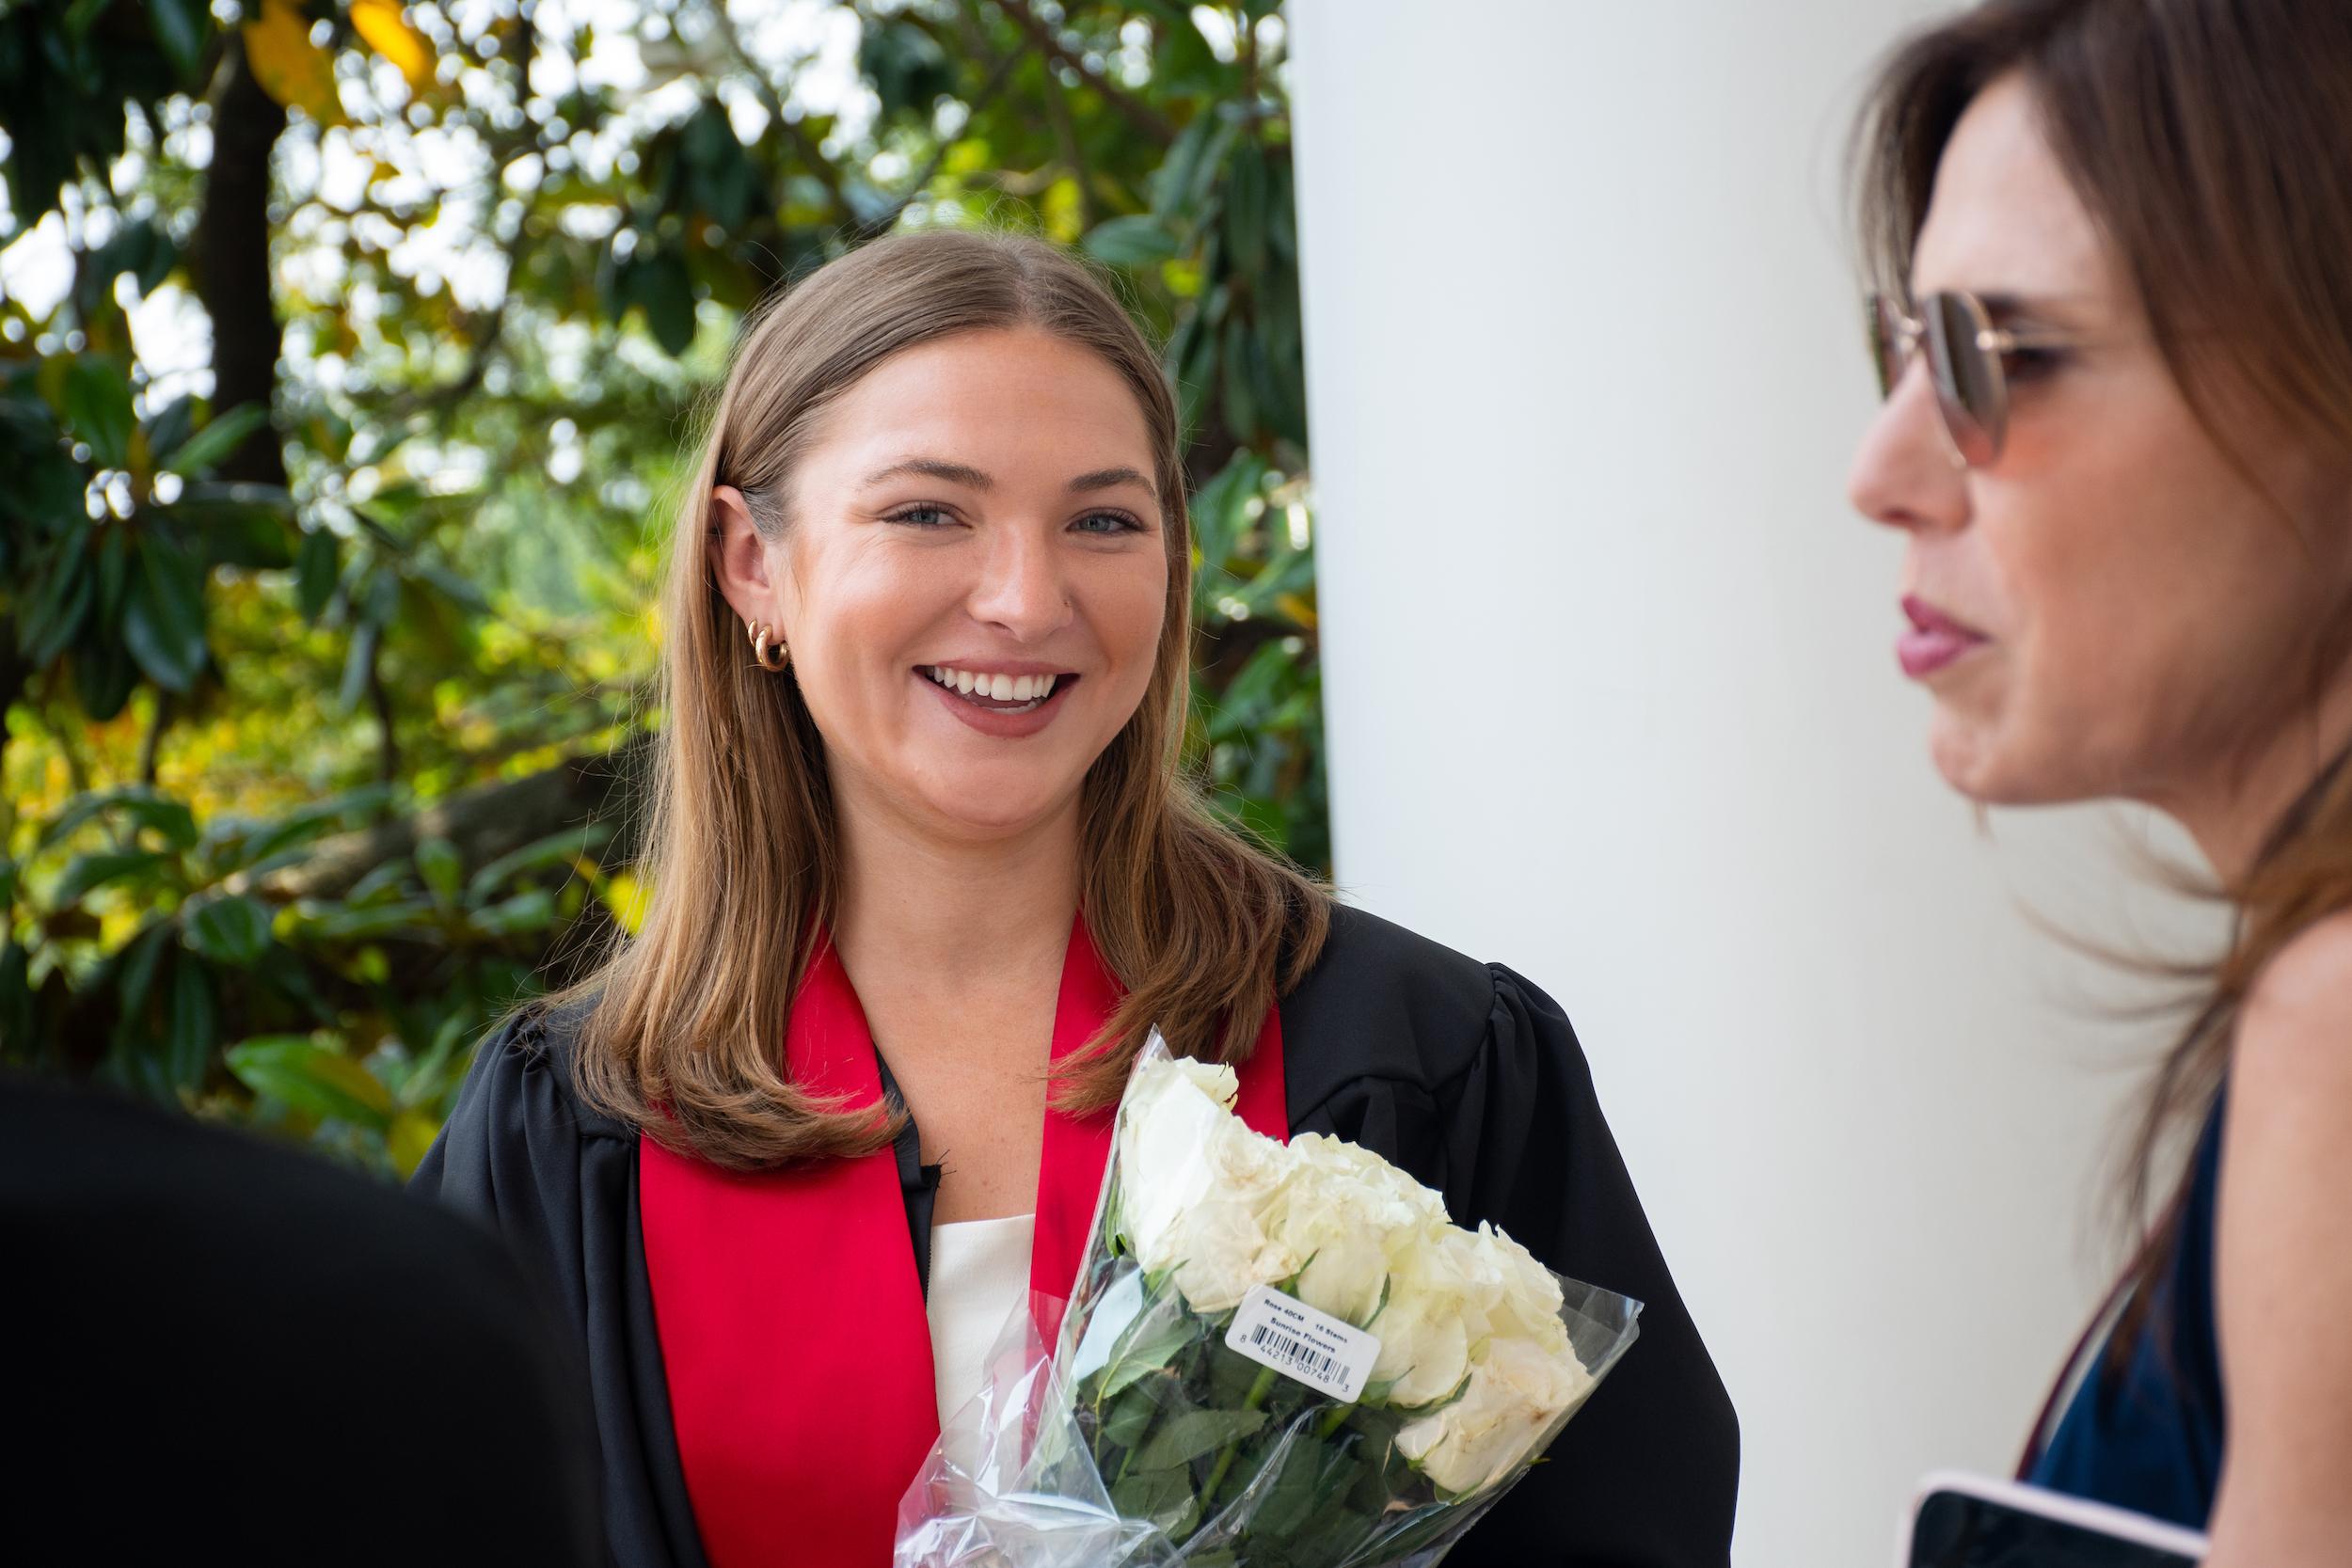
x,y
1906,473
1022,589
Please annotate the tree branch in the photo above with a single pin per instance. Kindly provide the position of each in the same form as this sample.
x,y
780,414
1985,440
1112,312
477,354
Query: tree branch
x,y
884,222
1137,112
803,143
231,253
484,822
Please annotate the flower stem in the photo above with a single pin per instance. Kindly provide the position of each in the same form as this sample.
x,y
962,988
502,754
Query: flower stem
x,y
1258,1392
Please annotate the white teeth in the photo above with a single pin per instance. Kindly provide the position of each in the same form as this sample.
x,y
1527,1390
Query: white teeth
x,y
1000,689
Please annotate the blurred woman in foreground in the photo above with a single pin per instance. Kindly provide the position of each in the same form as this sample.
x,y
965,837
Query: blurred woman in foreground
x,y
2114,245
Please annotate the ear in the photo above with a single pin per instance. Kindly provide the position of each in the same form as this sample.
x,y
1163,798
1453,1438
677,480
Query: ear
x,y
739,560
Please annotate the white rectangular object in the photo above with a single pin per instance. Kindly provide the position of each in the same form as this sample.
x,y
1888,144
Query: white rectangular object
x,y
1306,1346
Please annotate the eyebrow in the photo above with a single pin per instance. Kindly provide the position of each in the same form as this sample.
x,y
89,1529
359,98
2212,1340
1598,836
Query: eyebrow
x,y
964,474
2005,306
931,467
1111,479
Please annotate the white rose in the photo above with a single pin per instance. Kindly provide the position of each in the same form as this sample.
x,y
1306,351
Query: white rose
x,y
1518,1391
1527,1301
1193,1183
1345,1212
1435,1316
1219,1251
1170,1113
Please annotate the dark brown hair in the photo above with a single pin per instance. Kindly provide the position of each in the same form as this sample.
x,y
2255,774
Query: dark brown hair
x,y
1202,926
2212,142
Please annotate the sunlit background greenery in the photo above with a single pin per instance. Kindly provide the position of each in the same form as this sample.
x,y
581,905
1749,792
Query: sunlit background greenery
x,y
346,353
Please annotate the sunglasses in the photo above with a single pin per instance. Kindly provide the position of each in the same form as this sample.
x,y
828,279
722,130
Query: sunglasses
x,y
1966,361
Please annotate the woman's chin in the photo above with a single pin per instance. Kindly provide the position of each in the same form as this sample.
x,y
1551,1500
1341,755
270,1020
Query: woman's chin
x,y
1993,769
988,812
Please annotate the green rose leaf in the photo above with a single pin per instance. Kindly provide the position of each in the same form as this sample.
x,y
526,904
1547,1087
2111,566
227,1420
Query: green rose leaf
x,y
1195,1432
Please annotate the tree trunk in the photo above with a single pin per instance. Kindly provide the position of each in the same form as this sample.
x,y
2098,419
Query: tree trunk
x,y
231,261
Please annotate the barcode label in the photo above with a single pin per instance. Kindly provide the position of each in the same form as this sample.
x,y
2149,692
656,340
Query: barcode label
x,y
1313,1348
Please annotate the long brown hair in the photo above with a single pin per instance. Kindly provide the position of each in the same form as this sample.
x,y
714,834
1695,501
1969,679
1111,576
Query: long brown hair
x,y
2212,141
1204,927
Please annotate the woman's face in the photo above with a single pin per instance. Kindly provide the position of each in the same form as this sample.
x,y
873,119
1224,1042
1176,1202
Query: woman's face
x,y
971,579
2102,610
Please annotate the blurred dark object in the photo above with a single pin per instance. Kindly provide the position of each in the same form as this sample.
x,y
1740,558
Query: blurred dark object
x,y
228,1351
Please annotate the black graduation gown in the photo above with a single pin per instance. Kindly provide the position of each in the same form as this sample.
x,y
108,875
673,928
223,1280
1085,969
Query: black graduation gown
x,y
1460,1072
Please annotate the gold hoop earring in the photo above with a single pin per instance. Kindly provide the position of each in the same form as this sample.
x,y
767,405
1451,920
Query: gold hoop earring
x,y
758,631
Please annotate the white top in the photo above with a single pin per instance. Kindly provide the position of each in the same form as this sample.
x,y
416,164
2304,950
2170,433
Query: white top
x,y
979,1276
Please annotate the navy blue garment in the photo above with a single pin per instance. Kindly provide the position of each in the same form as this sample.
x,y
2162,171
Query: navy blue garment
x,y
2146,1434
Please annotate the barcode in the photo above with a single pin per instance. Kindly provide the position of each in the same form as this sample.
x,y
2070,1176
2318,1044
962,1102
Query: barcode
x,y
1296,1352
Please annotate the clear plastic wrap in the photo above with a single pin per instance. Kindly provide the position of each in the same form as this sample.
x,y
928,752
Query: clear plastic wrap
x,y
1275,1355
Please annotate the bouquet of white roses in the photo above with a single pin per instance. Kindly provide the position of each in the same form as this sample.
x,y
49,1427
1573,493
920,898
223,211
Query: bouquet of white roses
x,y
1275,1356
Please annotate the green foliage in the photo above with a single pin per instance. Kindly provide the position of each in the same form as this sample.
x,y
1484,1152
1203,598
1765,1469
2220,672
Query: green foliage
x,y
306,676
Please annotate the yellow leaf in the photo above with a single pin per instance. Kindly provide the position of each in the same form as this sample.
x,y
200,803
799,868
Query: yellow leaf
x,y
627,898
291,68
388,34
1301,613
411,1133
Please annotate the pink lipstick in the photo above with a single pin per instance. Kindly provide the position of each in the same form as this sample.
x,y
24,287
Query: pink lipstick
x,y
1934,639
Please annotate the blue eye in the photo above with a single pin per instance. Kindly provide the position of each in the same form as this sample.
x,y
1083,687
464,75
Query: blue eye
x,y
922,517
1107,523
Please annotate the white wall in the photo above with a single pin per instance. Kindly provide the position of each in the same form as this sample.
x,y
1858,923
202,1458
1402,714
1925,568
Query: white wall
x,y
1612,699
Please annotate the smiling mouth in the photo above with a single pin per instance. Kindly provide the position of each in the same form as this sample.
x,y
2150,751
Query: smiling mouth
x,y
997,692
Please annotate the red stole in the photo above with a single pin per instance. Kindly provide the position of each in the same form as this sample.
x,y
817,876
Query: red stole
x,y
792,1320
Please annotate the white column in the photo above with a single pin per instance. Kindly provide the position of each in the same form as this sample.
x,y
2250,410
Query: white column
x,y
1613,699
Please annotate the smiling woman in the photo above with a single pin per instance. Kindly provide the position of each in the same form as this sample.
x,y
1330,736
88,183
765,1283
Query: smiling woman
x,y
929,869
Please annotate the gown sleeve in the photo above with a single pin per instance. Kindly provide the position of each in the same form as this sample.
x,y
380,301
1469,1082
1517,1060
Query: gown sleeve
x,y
1646,1474
559,1186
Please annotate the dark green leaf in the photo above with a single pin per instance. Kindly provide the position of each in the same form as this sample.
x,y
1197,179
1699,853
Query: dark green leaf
x,y
59,604
104,678
163,624
357,663
1134,241
439,865
312,1077
170,427
1189,1435
1150,1343
233,929
195,1024
98,407
85,874
1163,1496
1244,200
212,445
520,915
660,284
256,538
135,973
169,818
181,27
337,923
84,12
908,69
553,850
316,568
